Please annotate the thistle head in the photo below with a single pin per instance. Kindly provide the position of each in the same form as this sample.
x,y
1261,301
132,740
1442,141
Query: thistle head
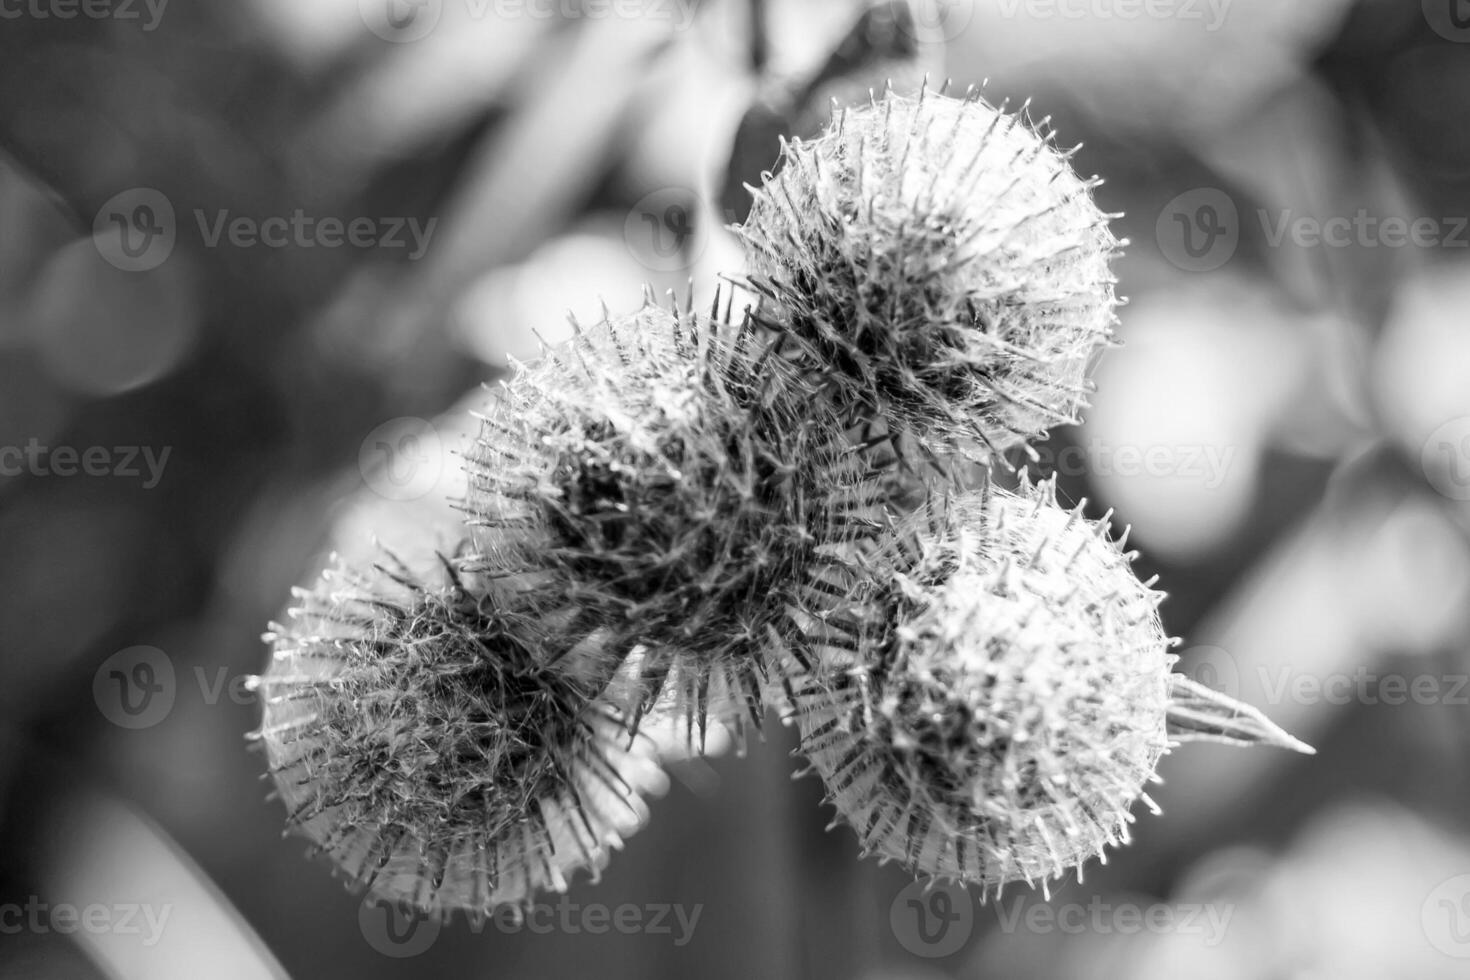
x,y
941,262
659,483
417,737
993,694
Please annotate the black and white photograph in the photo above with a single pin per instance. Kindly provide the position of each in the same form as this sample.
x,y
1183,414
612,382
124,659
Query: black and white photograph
x,y
729,489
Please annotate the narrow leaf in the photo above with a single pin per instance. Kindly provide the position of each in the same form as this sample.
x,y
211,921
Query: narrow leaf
x,y
1199,714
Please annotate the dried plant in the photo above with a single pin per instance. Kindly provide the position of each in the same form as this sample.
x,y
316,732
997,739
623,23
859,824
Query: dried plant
x,y
660,484
419,738
940,263
698,518
992,689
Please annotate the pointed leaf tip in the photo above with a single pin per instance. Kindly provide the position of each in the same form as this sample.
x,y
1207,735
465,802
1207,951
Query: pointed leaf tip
x,y
1200,714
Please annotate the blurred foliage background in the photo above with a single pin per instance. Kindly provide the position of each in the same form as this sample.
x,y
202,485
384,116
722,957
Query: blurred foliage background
x,y
1286,428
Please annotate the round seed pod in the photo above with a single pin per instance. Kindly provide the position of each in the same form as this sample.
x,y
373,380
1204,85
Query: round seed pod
x,y
658,486
991,692
941,263
418,739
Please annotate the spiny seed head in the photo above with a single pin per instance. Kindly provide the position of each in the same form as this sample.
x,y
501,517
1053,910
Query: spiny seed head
x,y
658,485
942,262
417,737
992,694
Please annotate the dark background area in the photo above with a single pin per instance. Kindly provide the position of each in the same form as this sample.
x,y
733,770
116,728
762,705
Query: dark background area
x,y
1286,428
